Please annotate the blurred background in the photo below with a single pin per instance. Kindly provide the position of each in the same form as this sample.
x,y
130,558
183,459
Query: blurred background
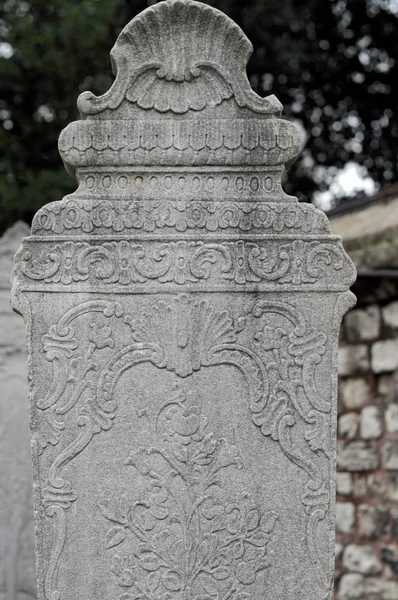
x,y
334,66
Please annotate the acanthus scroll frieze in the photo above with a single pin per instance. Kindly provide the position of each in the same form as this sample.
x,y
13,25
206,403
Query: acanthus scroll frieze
x,y
296,262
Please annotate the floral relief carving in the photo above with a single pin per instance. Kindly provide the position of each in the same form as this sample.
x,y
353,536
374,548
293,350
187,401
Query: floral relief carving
x,y
297,262
188,539
183,336
123,215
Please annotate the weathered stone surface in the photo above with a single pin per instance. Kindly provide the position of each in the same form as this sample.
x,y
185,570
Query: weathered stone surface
x,y
183,316
385,356
371,426
357,456
363,324
353,359
355,392
17,566
361,559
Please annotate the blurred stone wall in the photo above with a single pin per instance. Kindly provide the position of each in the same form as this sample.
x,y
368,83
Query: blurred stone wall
x,y
367,459
17,566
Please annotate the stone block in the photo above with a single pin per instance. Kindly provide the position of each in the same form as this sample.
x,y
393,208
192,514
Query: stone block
x,y
380,589
351,587
390,454
390,314
371,426
361,559
387,387
345,517
348,425
357,456
344,484
394,523
363,324
384,485
355,392
389,554
384,356
353,359
338,551
391,418
359,486
372,521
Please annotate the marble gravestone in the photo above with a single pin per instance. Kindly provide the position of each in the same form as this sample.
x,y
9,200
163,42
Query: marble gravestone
x,y
183,316
17,565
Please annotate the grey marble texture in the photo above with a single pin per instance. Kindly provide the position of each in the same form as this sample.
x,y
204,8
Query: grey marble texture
x,y
17,563
183,316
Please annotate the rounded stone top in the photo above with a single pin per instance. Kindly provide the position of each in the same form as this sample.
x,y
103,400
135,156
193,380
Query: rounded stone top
x,y
179,57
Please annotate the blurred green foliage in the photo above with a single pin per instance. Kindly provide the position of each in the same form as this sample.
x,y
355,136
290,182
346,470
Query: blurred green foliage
x,y
332,63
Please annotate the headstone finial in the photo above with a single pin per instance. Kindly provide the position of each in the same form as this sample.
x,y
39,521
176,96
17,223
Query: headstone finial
x,y
180,56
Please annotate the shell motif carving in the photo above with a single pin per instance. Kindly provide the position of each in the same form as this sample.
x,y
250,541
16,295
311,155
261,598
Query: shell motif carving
x,y
184,333
177,56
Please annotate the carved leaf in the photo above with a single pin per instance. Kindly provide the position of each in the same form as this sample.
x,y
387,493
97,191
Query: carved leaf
x,y
115,536
176,550
150,561
107,511
252,520
203,550
258,539
172,582
208,584
246,573
159,512
269,521
180,452
221,573
238,549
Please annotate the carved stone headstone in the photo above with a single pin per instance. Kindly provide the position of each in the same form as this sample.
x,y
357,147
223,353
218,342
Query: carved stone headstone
x,y
183,316
17,564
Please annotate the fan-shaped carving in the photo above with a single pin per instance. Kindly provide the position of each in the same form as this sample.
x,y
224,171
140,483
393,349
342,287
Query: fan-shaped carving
x,y
177,56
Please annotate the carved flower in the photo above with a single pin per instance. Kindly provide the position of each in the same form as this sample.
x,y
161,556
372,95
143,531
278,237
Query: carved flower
x,y
101,336
124,571
272,338
183,423
197,215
